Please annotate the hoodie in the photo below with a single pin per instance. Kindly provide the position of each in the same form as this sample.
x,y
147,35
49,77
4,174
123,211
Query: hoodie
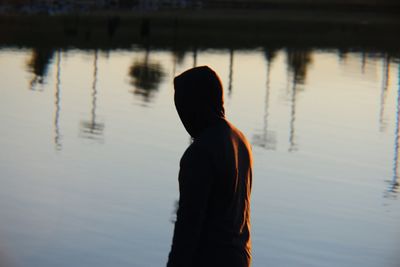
x,y
213,217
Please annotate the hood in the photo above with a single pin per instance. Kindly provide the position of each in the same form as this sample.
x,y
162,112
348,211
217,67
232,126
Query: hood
x,y
198,99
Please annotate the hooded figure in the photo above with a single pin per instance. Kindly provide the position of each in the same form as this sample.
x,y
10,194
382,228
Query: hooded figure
x,y
213,218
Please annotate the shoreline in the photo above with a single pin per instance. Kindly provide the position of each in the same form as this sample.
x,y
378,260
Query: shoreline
x,y
238,29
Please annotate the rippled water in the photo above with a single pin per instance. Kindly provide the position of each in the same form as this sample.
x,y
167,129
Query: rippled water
x,y
90,145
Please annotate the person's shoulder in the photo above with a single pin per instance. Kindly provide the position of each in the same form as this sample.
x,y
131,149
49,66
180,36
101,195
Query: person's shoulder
x,y
194,152
239,134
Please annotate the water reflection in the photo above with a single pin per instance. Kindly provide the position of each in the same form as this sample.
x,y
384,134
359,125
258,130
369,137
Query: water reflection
x,y
230,78
344,128
194,56
112,26
178,58
297,62
274,117
146,76
38,64
394,184
92,129
342,54
385,83
363,61
178,52
267,139
145,28
57,103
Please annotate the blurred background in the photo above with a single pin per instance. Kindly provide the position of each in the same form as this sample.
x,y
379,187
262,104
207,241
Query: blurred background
x,y
91,142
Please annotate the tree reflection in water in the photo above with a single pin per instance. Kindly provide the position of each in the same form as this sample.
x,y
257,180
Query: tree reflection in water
x,y
57,103
92,129
394,183
146,77
178,58
230,79
297,61
38,65
385,84
267,138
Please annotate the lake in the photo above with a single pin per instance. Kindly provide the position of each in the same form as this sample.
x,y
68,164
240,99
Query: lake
x,y
91,143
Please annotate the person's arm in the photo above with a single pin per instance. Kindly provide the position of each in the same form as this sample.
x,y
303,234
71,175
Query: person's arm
x,y
195,179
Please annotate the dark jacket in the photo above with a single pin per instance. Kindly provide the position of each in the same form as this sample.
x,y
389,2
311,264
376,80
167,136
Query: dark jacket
x,y
213,217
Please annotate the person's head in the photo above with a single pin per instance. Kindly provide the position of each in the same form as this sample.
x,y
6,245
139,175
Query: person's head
x,y
198,98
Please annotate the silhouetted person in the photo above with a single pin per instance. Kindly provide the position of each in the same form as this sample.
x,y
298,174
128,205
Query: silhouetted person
x,y
213,218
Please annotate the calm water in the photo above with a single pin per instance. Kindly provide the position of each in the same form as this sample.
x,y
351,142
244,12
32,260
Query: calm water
x,y
90,145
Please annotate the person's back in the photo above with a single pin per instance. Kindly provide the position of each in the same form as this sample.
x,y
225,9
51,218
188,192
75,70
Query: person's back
x,y
213,218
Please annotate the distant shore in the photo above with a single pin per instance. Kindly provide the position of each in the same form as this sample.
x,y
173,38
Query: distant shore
x,y
186,29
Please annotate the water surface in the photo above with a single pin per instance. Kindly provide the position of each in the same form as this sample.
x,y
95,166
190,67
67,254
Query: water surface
x,y
91,143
